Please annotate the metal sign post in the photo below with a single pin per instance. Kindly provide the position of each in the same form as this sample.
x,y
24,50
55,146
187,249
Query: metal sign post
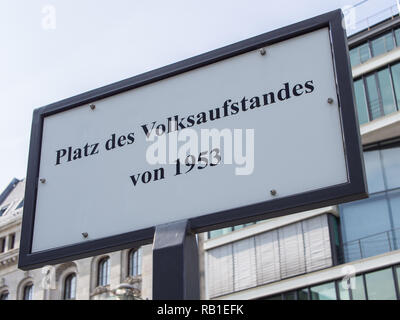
x,y
175,262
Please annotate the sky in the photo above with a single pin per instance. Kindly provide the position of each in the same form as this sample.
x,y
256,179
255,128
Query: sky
x,y
52,50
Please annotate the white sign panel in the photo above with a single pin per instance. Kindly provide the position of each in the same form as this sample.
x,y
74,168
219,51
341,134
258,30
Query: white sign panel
x,y
262,128
101,179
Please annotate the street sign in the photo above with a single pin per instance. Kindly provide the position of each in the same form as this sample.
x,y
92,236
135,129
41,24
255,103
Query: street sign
x,y
108,166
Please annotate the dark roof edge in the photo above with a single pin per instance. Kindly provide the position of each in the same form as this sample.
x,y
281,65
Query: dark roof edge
x,y
8,190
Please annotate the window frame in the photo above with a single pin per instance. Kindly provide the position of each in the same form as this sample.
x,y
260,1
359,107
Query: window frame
x,y
27,294
69,284
135,260
103,274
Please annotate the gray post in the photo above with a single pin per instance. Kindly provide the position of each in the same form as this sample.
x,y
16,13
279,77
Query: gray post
x,y
175,263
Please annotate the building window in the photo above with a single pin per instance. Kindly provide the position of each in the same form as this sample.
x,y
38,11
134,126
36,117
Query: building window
x,y
360,54
11,241
377,285
104,272
382,44
326,291
380,285
375,47
221,232
2,245
3,210
378,94
4,295
358,291
135,262
28,292
70,287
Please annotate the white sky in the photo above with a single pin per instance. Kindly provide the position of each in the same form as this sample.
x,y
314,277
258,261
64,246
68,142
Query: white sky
x,y
98,42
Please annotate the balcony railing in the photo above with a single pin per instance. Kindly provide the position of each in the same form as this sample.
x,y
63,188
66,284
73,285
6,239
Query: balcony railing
x,y
370,246
371,20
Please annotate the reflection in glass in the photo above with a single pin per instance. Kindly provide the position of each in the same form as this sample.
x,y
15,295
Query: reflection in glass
x,y
361,101
290,295
373,170
391,160
385,86
358,291
302,294
343,287
324,291
373,97
396,80
380,285
382,44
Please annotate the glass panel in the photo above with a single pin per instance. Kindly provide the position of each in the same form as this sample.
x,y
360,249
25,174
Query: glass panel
x,y
380,285
398,276
394,200
352,251
374,172
358,291
373,97
343,291
382,44
397,36
219,232
302,294
361,101
364,52
396,80
28,292
326,291
385,86
104,272
277,297
365,218
376,244
354,57
290,295
391,165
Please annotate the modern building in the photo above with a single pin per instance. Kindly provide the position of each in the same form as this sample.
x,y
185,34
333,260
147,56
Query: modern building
x,y
350,251
347,252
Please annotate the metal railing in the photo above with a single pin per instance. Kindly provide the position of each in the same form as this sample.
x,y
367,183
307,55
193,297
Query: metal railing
x,y
369,246
371,20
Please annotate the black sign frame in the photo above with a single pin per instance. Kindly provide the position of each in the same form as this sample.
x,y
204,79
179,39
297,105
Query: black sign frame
x,y
354,189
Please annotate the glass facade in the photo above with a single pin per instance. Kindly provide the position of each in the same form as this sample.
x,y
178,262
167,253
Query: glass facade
x,y
221,232
375,47
376,285
378,94
372,226
326,291
381,285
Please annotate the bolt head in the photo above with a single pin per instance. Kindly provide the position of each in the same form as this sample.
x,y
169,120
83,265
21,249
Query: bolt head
x,y
330,100
92,106
43,180
263,51
85,234
273,192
